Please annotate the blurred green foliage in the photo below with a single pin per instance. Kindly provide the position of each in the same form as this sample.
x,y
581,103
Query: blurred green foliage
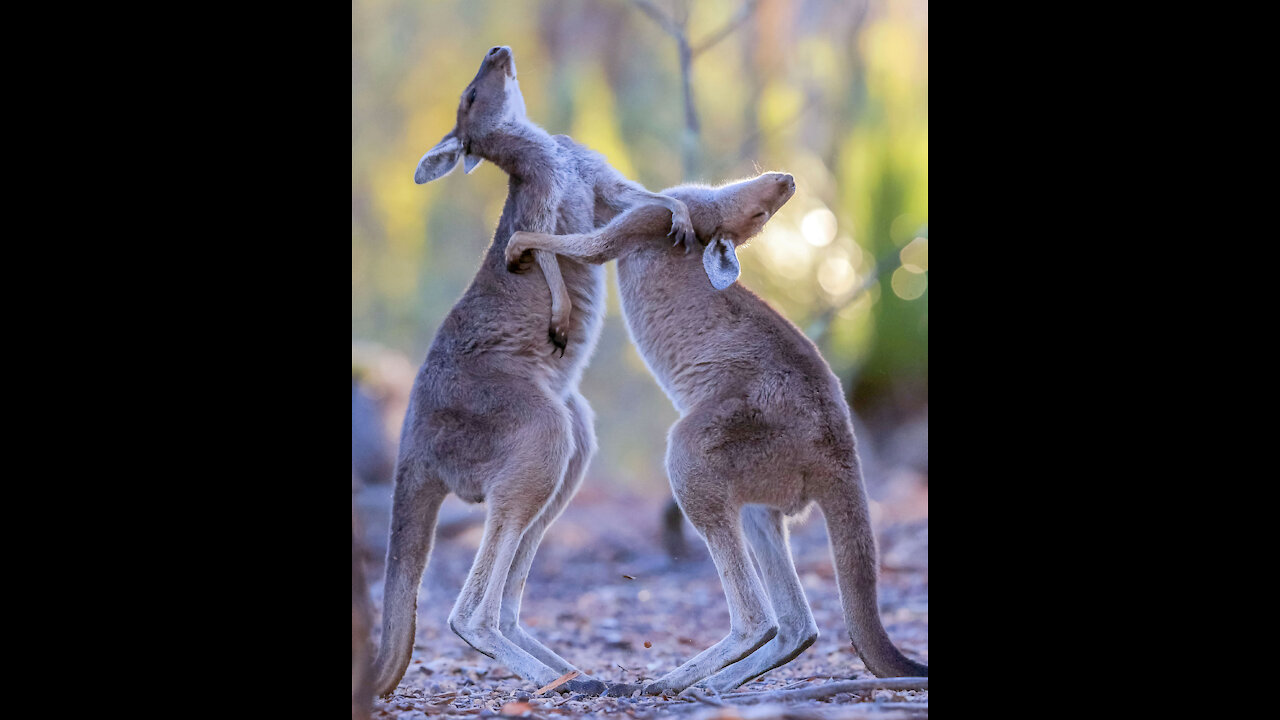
x,y
834,92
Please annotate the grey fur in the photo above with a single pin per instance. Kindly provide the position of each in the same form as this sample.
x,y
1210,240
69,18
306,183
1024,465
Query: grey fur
x,y
494,416
764,429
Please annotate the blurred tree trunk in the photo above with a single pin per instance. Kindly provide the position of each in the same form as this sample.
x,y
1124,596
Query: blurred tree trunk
x,y
673,532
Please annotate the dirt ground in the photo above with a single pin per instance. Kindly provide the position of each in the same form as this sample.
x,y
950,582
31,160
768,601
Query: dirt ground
x,y
603,595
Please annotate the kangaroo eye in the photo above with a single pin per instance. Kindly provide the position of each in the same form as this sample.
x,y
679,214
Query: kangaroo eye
x,y
471,97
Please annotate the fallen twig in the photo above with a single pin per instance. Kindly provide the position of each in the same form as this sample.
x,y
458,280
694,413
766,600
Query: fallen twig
x,y
794,685
558,682
701,697
828,689
922,708
793,711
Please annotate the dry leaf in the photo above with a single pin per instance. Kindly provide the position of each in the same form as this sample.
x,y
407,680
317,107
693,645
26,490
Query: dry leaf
x,y
516,708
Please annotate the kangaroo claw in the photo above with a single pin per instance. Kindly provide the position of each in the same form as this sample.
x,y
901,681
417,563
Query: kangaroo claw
x,y
559,338
682,231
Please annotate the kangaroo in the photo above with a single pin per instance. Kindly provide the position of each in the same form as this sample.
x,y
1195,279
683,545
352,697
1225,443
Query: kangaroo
x,y
492,415
764,431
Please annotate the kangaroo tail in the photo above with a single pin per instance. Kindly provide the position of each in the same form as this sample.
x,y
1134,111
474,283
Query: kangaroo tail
x,y
413,524
853,549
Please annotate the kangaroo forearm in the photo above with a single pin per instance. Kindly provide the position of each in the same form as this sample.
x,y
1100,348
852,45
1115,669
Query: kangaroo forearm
x,y
608,243
640,224
622,195
539,216
550,266
625,196
592,249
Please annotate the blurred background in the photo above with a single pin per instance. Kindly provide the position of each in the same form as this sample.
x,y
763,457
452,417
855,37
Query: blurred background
x,y
833,91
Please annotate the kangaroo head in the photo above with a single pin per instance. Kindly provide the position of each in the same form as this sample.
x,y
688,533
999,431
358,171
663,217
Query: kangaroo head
x,y
491,101
742,210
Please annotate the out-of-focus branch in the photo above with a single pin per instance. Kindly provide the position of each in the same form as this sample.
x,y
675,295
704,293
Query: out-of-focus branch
x,y
826,690
660,17
678,28
812,100
821,327
725,31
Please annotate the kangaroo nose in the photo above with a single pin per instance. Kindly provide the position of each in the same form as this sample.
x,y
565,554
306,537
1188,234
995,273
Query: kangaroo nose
x,y
787,181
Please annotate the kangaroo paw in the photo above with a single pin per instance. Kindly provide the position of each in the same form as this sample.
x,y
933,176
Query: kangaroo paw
x,y
622,689
682,231
521,263
559,338
586,687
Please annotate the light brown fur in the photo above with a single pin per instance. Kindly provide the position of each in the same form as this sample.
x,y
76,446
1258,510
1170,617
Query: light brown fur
x,y
494,416
764,429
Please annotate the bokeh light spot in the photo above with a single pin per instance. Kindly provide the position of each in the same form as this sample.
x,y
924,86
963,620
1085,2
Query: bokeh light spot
x,y
836,276
819,227
915,256
908,285
788,254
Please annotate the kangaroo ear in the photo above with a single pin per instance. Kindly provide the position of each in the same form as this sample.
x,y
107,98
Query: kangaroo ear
x,y
721,262
469,162
439,160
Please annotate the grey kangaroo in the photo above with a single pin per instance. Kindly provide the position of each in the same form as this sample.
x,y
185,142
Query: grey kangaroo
x,y
764,428
494,416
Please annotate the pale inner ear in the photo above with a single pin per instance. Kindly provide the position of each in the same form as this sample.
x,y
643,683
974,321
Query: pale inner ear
x,y
439,160
469,162
720,260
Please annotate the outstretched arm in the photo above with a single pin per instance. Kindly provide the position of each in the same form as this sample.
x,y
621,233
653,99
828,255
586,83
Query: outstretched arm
x,y
639,224
620,194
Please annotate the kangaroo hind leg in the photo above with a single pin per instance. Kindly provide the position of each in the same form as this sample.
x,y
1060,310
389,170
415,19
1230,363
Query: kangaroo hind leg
x,y
517,495
702,487
767,532
584,438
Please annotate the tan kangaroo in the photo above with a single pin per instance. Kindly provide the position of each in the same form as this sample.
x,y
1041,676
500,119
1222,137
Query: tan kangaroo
x,y
764,428
494,416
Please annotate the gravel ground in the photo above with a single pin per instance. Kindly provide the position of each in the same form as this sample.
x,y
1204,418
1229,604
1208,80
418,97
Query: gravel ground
x,y
603,595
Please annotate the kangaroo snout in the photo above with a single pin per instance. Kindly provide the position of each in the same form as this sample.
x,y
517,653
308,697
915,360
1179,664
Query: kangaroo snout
x,y
500,56
785,188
